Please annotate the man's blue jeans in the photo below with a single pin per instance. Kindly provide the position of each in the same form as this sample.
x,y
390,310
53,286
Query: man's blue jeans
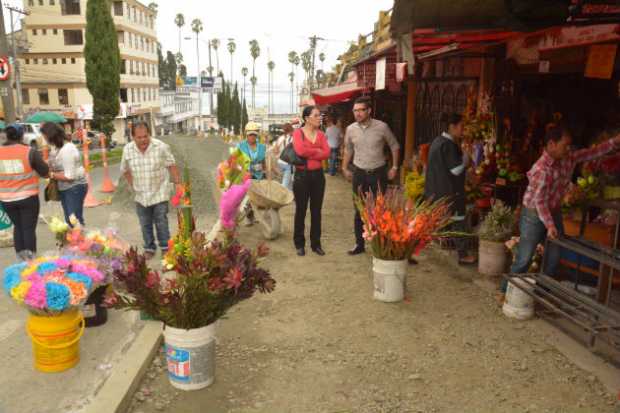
x,y
154,215
534,232
72,201
333,160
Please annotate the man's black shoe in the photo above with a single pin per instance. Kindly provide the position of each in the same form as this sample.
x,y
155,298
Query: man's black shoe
x,y
301,252
412,261
357,250
318,251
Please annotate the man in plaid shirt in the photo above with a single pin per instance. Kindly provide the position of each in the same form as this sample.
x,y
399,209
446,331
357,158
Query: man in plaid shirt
x,y
549,179
147,164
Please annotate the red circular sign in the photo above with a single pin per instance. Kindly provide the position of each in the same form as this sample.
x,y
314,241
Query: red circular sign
x,y
5,68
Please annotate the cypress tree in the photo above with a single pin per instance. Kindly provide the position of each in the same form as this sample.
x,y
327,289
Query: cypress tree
x,y
244,116
229,107
171,71
162,69
236,111
103,64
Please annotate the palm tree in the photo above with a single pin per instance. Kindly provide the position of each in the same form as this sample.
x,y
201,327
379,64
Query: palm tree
x,y
153,7
322,59
291,77
179,58
270,65
215,44
232,46
306,63
244,73
253,80
254,52
197,28
179,20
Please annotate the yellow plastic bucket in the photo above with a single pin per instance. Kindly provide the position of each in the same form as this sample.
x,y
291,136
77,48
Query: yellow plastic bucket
x,y
56,340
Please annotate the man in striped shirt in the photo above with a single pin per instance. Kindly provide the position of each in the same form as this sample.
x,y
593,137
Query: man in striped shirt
x,y
549,179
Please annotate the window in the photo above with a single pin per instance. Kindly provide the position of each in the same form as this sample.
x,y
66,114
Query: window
x,y
129,39
44,97
144,95
73,60
121,37
52,2
34,32
141,43
25,96
118,8
131,68
55,61
63,97
141,16
133,96
123,95
73,37
143,69
137,95
55,31
70,7
63,60
136,44
123,65
148,94
45,60
135,15
27,61
35,61
44,32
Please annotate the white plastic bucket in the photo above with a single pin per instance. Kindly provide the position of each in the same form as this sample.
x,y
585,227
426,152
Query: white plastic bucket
x,y
518,303
190,356
389,278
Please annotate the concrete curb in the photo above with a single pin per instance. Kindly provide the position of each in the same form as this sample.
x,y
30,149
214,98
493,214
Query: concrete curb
x,y
115,394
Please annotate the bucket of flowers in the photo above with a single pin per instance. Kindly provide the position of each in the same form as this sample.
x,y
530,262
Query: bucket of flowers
x,y
210,276
397,228
53,289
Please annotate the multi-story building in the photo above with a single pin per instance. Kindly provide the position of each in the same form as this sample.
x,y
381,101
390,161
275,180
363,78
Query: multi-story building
x,y
53,68
179,110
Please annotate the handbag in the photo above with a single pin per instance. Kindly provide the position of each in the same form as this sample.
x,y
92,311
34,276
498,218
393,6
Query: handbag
x,y
289,155
52,192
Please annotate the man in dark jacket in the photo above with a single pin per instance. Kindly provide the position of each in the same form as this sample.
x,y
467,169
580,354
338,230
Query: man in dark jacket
x,y
445,176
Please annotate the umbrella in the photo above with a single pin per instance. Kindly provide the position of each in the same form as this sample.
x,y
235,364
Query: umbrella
x,y
41,117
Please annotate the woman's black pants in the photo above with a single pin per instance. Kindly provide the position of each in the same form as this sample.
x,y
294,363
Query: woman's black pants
x,y
309,188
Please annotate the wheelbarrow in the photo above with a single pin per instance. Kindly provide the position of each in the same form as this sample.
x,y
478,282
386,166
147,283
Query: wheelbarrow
x,y
266,198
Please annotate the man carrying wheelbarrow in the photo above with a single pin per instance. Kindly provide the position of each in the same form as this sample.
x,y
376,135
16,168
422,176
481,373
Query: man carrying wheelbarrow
x,y
256,152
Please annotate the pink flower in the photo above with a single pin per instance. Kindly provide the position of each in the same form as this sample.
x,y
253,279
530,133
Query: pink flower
x,y
36,297
233,278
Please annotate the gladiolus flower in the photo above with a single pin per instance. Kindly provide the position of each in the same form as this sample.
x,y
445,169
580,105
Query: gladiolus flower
x,y
233,278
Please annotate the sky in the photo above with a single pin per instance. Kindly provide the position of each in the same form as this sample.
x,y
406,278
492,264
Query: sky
x,y
279,26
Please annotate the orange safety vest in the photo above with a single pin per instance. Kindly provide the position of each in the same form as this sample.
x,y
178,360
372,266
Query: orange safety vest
x,y
17,178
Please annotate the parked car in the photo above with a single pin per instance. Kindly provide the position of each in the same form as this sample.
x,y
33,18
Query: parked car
x,y
32,134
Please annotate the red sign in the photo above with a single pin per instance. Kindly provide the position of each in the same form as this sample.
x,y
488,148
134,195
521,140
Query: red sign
x,y
5,68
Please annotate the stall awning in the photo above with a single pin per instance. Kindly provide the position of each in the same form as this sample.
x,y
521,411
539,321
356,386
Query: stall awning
x,y
336,94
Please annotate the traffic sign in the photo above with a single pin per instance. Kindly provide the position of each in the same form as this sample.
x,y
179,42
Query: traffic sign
x,y
207,82
5,68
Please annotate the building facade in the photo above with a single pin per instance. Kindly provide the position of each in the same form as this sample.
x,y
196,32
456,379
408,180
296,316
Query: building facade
x,y
53,68
179,110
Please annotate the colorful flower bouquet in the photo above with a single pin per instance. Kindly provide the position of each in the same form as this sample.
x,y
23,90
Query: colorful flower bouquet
x,y
395,227
52,285
234,170
414,185
211,278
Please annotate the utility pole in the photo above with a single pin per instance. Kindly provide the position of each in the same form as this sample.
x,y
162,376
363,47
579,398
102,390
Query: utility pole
x,y
211,75
313,41
5,86
199,84
18,81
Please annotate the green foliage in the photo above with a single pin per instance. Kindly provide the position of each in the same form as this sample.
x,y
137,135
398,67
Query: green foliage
x,y
171,71
236,111
498,224
103,62
244,115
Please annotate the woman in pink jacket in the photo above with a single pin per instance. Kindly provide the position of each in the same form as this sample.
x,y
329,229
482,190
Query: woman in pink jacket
x,y
309,184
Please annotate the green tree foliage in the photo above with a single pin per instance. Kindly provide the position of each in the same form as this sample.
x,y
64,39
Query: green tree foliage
x,y
235,113
244,115
103,64
171,71
161,67
183,72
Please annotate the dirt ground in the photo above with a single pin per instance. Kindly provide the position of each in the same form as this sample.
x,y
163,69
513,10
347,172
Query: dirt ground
x,y
320,343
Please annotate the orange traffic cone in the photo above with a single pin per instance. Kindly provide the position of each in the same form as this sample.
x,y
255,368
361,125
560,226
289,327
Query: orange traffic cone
x,y
46,153
90,201
108,185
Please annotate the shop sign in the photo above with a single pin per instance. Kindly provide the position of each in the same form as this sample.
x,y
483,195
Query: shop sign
x,y
69,114
380,74
580,36
5,68
601,60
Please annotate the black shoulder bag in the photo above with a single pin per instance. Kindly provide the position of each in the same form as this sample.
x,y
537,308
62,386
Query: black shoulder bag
x,y
289,155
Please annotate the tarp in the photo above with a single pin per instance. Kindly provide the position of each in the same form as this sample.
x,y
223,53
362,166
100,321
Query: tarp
x,y
336,94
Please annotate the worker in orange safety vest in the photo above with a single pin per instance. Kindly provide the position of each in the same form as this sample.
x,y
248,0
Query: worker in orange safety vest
x,y
21,166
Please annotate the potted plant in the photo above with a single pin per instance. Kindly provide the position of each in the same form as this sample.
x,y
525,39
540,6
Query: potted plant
x,y
209,278
397,228
495,230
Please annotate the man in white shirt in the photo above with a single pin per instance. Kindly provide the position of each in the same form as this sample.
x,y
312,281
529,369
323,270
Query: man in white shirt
x,y
147,164
334,140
